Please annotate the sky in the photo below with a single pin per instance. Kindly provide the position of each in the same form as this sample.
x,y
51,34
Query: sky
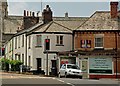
x,y
82,9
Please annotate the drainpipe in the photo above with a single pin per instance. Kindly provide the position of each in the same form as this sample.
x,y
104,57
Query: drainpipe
x,y
116,52
73,34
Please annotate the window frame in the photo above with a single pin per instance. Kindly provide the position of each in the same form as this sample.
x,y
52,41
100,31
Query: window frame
x,y
59,40
29,42
99,36
37,43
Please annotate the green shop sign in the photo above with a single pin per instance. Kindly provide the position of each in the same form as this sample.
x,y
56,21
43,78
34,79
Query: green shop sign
x,y
100,65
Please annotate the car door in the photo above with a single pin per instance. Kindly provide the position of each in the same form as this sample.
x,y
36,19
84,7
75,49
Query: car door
x,y
62,70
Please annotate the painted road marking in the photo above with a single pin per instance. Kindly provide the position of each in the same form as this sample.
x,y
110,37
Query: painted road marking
x,y
64,81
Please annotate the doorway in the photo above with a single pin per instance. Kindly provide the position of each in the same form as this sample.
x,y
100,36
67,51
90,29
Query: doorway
x,y
38,65
83,63
54,67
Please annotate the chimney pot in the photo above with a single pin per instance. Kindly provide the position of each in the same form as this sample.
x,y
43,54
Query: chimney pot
x,y
33,14
24,12
27,13
30,13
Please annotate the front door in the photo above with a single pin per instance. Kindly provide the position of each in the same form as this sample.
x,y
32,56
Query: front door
x,y
38,65
84,67
54,67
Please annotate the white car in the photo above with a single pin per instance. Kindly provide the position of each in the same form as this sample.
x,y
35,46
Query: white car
x,y
70,69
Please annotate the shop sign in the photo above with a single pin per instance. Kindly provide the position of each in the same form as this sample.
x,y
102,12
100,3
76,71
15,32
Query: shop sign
x,y
100,65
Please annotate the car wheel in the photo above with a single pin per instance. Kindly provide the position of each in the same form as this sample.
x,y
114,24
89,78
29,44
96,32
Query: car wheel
x,y
65,75
59,75
80,77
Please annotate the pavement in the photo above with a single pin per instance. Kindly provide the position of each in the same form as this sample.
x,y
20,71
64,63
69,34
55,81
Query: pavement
x,y
7,75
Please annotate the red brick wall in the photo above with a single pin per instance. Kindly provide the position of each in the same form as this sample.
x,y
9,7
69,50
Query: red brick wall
x,y
109,40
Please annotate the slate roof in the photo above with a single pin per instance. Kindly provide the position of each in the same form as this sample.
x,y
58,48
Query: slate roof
x,y
11,23
53,27
100,20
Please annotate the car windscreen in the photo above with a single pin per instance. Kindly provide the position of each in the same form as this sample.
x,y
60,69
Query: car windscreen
x,y
72,67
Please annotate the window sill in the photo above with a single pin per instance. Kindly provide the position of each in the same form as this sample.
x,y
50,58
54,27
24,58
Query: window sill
x,y
98,48
59,45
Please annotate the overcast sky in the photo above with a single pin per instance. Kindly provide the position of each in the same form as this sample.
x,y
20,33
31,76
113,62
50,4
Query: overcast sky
x,y
59,8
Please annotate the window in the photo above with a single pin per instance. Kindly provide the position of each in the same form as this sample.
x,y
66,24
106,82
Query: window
x,y
15,42
18,41
29,61
18,57
23,58
22,40
59,40
85,43
29,42
99,42
38,40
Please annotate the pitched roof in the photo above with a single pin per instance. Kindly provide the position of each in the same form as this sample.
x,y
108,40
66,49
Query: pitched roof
x,y
12,23
52,27
100,20
72,24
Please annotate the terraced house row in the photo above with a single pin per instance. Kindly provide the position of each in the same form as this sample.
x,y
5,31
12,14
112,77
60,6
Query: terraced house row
x,y
93,43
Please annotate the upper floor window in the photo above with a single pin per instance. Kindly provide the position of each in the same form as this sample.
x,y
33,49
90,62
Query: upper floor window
x,y
18,41
29,41
85,43
38,40
22,40
15,42
99,41
59,40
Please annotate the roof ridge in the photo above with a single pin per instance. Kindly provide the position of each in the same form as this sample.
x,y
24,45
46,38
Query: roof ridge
x,y
63,26
86,20
48,26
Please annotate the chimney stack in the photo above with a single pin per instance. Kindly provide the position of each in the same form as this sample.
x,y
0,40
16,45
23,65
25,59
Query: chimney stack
x,y
114,9
47,14
66,15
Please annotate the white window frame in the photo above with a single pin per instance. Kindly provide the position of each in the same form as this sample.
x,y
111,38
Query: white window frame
x,y
58,41
37,42
99,36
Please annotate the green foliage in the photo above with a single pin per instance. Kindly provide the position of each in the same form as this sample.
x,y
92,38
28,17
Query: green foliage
x,y
14,64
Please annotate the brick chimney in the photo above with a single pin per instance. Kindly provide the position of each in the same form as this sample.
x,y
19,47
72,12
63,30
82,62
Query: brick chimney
x,y
29,19
114,9
47,14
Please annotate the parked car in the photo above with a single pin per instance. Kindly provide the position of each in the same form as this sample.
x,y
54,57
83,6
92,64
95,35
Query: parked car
x,y
70,69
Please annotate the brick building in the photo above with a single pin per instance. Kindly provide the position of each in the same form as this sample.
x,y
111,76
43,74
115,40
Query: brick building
x,y
97,42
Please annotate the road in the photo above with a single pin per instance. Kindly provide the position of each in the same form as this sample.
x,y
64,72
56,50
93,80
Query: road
x,y
35,80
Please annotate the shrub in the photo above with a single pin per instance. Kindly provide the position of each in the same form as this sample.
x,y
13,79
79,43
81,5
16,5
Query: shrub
x,y
14,64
